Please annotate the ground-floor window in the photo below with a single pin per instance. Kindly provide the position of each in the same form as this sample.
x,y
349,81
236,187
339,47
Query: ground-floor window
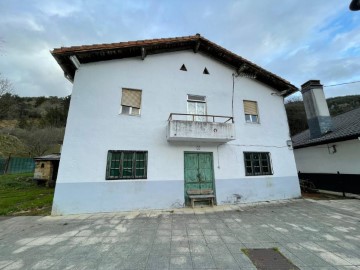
x,y
126,165
257,163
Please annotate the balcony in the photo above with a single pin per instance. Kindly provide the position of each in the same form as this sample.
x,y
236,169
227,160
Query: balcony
x,y
200,128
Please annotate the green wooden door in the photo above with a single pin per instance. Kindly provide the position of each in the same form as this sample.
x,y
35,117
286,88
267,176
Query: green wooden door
x,y
198,172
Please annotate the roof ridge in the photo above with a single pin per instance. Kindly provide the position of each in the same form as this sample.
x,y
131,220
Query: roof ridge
x,y
54,51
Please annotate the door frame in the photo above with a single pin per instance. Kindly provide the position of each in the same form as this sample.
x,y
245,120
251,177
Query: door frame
x,y
213,172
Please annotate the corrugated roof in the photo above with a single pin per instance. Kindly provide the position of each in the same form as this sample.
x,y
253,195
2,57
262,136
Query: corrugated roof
x,y
346,126
48,157
141,48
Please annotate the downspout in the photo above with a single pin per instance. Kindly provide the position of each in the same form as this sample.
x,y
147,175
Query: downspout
x,y
232,97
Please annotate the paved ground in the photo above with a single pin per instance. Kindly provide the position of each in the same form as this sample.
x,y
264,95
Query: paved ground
x,y
311,234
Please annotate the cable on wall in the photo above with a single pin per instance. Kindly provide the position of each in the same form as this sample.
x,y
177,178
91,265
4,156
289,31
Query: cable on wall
x,y
259,145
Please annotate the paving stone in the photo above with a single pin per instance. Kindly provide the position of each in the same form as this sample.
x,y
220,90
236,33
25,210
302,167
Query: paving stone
x,y
16,264
180,262
225,261
199,248
203,261
179,232
235,248
4,263
158,262
311,234
180,248
194,232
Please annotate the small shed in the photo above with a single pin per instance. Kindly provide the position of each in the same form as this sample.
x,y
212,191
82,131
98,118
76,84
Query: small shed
x,y
46,169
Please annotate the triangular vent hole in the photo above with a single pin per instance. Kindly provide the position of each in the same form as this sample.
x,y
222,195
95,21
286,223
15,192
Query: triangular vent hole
x,y
183,68
206,71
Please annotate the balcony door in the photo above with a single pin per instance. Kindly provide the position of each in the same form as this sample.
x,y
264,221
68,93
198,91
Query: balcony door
x,y
196,105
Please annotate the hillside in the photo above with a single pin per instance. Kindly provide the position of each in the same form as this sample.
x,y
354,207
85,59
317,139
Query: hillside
x,y
38,111
337,105
10,144
31,125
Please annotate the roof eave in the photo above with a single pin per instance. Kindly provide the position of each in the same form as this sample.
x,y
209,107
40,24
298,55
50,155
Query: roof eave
x,y
339,139
103,52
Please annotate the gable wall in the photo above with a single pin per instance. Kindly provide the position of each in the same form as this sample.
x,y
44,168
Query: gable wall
x,y
95,125
318,159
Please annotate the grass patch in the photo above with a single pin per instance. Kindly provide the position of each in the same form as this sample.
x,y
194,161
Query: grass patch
x,y
19,195
245,251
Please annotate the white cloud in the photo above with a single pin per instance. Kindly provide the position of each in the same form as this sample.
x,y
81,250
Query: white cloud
x,y
24,22
298,40
58,8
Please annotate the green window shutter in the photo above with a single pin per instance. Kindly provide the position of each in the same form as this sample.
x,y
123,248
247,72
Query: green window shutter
x,y
108,164
126,165
257,163
113,164
140,164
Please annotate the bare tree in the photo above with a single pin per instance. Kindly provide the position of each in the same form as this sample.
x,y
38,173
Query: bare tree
x,y
40,141
5,86
6,90
293,99
37,141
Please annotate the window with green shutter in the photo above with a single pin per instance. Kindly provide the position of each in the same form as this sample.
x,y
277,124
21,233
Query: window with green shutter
x,y
257,163
126,165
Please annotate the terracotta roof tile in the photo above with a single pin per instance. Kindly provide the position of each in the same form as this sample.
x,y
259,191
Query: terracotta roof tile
x,y
121,44
158,45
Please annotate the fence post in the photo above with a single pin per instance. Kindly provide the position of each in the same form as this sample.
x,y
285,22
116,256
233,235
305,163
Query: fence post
x,y
7,164
342,184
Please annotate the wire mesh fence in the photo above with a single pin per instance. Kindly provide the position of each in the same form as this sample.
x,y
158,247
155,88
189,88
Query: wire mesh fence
x,y
16,165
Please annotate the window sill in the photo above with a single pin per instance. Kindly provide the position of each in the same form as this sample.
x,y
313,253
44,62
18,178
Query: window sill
x,y
257,175
134,115
253,123
126,180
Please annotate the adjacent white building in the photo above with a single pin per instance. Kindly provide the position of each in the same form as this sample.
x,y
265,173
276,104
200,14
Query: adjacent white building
x,y
327,154
150,120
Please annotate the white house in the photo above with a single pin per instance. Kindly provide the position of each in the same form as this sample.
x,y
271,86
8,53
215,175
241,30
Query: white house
x,y
327,154
150,120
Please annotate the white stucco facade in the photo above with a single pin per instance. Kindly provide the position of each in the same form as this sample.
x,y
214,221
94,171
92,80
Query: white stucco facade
x,y
323,159
95,126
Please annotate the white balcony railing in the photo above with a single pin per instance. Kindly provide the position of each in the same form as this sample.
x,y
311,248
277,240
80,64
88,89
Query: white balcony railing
x,y
196,127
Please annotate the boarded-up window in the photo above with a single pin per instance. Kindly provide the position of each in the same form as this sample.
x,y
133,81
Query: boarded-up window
x,y
131,101
251,111
126,165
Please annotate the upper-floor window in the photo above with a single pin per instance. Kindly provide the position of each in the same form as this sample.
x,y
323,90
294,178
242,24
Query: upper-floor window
x,y
196,105
251,111
131,101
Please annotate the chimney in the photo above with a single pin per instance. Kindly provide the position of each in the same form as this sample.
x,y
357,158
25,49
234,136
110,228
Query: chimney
x,y
317,111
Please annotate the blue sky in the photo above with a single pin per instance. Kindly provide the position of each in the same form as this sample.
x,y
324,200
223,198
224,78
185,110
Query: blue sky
x,y
298,40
